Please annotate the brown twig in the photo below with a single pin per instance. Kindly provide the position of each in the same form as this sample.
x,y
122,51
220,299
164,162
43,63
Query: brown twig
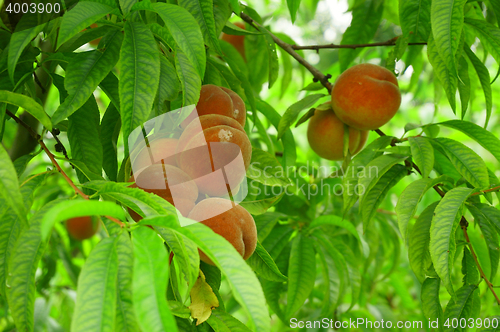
x,y
463,224
390,42
481,272
486,191
55,163
22,123
59,169
319,76
59,143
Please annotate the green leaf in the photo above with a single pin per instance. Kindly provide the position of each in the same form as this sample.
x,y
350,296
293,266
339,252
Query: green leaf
x,y
110,130
286,78
125,314
226,75
366,18
96,292
261,206
375,170
466,302
10,228
301,273
484,79
418,243
354,275
84,137
134,198
442,233
294,110
83,171
411,196
244,284
139,77
235,5
430,300
486,221
185,252
448,80
233,29
186,32
272,55
240,70
415,17
126,6
80,17
293,6
264,266
265,223
333,220
487,212
488,34
18,42
289,148
189,78
150,282
266,169
423,154
447,17
78,208
485,138
22,266
467,162
464,88
203,12
221,321
84,73
169,86
372,199
27,103
110,87
334,274
356,168
9,186
469,269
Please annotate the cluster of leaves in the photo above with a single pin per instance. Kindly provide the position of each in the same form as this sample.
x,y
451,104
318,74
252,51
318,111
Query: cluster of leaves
x,y
317,256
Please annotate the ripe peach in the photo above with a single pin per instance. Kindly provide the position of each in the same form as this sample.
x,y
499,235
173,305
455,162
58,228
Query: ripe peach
x,y
215,100
366,96
161,150
209,144
237,41
362,140
231,221
239,109
325,134
170,183
82,228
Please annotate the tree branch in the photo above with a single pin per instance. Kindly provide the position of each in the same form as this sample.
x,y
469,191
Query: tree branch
x,y
390,42
319,76
55,163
